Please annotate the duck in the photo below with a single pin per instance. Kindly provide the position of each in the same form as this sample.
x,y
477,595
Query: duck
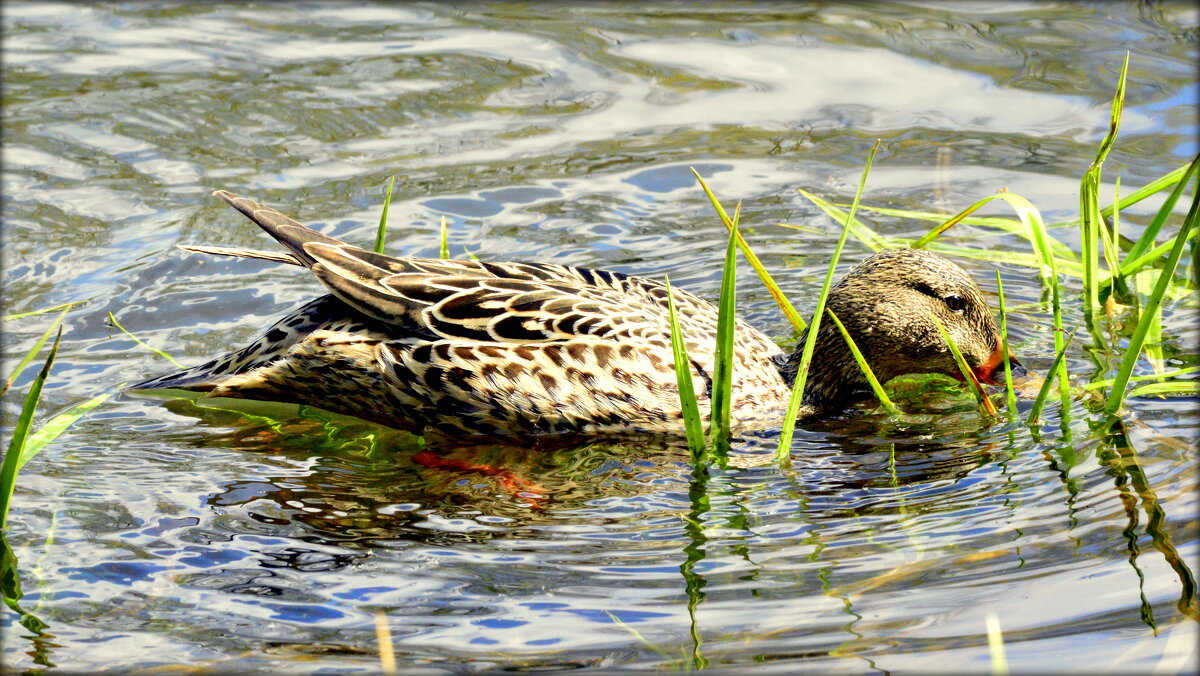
x,y
518,350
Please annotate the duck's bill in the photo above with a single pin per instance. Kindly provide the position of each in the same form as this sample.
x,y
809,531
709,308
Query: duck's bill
x,y
992,371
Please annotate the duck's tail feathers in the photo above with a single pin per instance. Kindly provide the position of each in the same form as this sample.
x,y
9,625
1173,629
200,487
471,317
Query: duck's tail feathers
x,y
242,253
287,232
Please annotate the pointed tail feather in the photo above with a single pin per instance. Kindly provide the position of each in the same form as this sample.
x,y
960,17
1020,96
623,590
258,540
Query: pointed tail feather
x,y
241,253
287,232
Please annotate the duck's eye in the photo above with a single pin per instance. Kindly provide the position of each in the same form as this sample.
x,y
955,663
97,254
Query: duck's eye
x,y
956,303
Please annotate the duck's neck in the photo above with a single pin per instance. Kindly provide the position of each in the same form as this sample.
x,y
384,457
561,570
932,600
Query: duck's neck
x,y
834,378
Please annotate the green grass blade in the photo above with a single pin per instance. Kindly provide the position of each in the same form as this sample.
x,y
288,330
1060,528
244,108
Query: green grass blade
x,y
37,347
1001,222
985,403
1010,395
860,230
444,247
1185,388
381,232
722,383
31,313
1091,223
884,401
801,228
950,222
1152,347
784,304
1153,302
20,433
1137,379
1146,241
1039,401
687,393
1130,267
793,409
1167,180
139,341
1110,237
55,426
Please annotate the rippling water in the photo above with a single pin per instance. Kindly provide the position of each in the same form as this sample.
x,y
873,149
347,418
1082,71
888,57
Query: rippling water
x,y
163,534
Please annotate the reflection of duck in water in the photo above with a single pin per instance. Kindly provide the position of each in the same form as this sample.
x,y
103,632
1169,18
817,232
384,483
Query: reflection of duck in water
x,y
510,349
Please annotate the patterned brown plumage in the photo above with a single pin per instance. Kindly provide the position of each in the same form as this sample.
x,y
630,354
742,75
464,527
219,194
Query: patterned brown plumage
x,y
511,349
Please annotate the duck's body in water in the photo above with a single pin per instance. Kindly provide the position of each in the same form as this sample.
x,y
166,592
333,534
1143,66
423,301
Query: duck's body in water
x,y
513,349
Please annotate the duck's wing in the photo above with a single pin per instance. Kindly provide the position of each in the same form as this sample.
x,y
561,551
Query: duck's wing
x,y
472,300
490,302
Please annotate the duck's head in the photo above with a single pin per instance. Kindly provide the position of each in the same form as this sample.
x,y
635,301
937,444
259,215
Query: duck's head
x,y
885,304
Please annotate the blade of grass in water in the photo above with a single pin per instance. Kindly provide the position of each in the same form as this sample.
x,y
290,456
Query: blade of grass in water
x,y
20,433
790,312
1090,220
381,232
1132,266
1110,236
1176,387
1137,379
884,401
793,409
801,228
1153,302
1144,281
31,313
1171,179
1039,401
1146,241
139,341
444,248
37,347
722,383
54,427
1154,187
689,407
864,233
1010,395
1029,221
1002,222
985,404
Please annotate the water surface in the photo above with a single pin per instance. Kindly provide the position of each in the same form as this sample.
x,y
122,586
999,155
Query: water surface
x,y
158,534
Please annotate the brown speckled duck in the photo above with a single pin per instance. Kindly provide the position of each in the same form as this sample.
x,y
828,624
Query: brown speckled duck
x,y
513,349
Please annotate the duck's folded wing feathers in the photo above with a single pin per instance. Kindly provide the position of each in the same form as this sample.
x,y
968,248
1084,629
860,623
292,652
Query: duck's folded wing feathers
x,y
472,304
